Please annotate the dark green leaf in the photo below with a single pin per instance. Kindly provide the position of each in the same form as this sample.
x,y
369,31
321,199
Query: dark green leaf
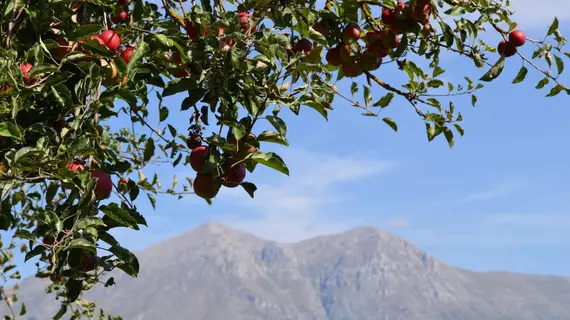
x,y
521,75
495,71
249,187
82,243
8,129
278,124
385,100
559,64
119,215
268,136
542,83
555,91
391,123
271,160
148,149
43,68
130,263
553,26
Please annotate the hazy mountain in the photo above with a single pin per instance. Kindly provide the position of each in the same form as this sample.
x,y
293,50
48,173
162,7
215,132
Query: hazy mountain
x,y
215,272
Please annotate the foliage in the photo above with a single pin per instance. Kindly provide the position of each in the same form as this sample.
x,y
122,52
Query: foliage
x,y
65,78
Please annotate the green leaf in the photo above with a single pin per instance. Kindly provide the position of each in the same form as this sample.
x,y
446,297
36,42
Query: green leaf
x,y
437,71
119,215
391,123
62,311
129,97
74,288
436,83
163,113
542,83
62,95
43,68
459,129
354,88
559,64
8,129
473,99
385,100
555,91
553,26
37,250
82,243
152,200
268,136
495,71
148,149
521,75
130,263
140,50
249,187
271,160
430,130
84,30
278,124
178,85
89,222
448,136
367,95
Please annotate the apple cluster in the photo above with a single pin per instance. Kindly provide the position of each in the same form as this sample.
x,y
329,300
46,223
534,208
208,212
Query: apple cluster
x,y
352,57
206,185
509,48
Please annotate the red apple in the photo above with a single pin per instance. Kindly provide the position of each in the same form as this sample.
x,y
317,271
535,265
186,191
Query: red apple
x,y
351,69
192,32
344,52
58,125
372,37
62,50
517,38
388,17
119,17
333,57
198,158
235,175
127,53
193,142
180,73
76,166
244,23
25,68
377,49
370,62
506,49
104,185
388,39
303,45
352,32
204,186
111,39
177,58
88,262
49,240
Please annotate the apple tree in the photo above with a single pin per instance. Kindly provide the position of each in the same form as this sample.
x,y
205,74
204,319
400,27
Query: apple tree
x,y
71,173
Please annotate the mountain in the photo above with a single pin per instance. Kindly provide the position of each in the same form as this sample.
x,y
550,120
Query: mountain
x,y
217,273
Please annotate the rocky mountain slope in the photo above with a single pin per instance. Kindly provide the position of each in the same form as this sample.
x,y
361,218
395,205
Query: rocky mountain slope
x,y
214,272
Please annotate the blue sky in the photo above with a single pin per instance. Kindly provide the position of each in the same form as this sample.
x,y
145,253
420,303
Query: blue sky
x,y
499,200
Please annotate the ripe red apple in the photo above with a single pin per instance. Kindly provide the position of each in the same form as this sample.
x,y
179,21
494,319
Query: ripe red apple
x,y
25,68
377,49
49,240
244,23
88,262
192,32
111,39
506,49
193,142
119,17
198,158
177,58
235,175
104,185
127,53
372,37
333,57
345,52
389,39
62,50
2,142
351,69
76,166
370,62
180,73
421,11
303,45
56,278
58,125
517,38
388,17
352,32
204,186
121,3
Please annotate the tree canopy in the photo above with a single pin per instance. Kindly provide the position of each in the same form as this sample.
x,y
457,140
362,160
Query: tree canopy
x,y
69,177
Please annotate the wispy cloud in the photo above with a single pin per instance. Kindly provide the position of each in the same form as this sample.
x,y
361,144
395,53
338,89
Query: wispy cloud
x,y
304,204
499,190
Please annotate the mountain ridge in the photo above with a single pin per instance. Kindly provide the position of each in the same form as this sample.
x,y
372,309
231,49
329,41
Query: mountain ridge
x,y
217,272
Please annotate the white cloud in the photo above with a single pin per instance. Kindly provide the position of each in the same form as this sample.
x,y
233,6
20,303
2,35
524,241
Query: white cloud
x,y
539,14
398,222
303,205
499,190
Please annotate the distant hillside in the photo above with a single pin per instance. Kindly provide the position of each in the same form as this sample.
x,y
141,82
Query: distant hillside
x,y
214,272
